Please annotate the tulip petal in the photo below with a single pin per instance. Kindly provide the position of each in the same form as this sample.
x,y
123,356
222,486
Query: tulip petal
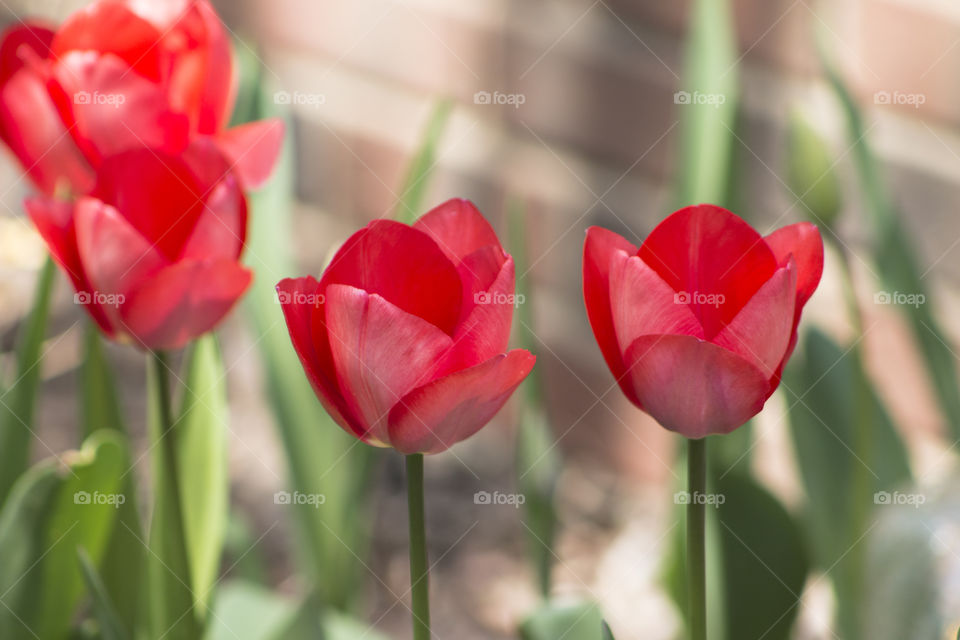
x,y
641,303
405,267
459,229
693,387
108,109
183,301
598,249
803,242
253,149
380,352
704,250
112,28
30,124
761,331
299,299
434,417
54,221
157,193
484,333
114,254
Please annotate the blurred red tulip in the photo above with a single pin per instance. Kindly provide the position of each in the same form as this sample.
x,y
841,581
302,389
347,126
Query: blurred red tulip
x,y
120,74
153,250
404,337
698,322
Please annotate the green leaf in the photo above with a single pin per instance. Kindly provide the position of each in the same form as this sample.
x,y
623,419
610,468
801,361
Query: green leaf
x,y
810,172
122,568
98,389
22,545
337,626
607,634
538,459
823,388
570,621
82,515
896,260
414,189
111,628
708,120
170,599
247,611
202,465
19,401
321,458
764,560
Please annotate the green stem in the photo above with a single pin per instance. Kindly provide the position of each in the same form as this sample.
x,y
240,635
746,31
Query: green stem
x,y
696,542
419,576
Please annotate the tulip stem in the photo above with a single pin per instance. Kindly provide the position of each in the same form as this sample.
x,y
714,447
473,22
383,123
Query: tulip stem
x,y
696,551
419,573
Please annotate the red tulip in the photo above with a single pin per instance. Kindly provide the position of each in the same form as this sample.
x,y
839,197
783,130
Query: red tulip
x,y
153,250
698,322
120,74
404,338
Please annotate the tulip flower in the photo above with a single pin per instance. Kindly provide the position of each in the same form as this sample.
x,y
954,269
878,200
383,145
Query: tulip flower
x,y
153,250
120,74
404,337
697,323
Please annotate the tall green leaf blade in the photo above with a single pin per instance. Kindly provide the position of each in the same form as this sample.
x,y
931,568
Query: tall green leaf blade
x,y
570,621
22,545
708,105
896,260
110,626
823,423
321,458
98,388
810,173
82,515
538,460
121,569
415,187
764,561
19,401
202,457
171,611
247,611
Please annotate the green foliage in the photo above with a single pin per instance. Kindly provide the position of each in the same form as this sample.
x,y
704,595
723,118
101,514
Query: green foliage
x,y
111,628
810,172
414,189
18,402
571,621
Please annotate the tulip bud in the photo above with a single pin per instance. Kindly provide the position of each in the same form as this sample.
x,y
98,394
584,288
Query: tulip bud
x,y
810,172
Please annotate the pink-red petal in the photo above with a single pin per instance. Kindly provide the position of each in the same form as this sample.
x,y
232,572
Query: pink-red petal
x,y
404,266
459,229
182,302
761,331
706,250
434,417
693,387
598,249
253,149
380,352
803,242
